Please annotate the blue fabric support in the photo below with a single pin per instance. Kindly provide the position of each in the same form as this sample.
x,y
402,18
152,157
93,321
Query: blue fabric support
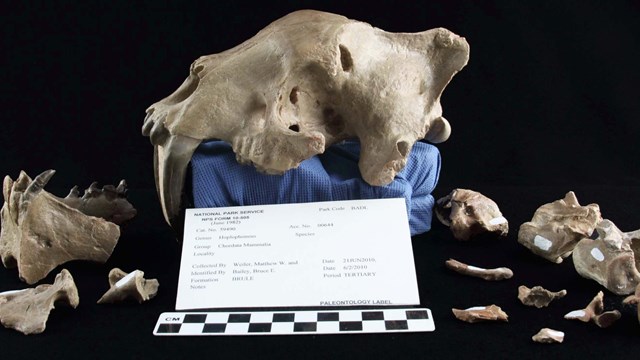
x,y
219,181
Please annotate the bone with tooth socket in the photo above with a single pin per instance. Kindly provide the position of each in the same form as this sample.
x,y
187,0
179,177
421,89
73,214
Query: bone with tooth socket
x,y
548,336
496,274
556,228
306,81
27,311
610,259
469,213
129,286
595,312
481,313
538,296
41,231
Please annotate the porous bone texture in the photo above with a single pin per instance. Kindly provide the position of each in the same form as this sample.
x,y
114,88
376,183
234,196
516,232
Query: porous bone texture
x,y
27,311
556,228
610,259
306,81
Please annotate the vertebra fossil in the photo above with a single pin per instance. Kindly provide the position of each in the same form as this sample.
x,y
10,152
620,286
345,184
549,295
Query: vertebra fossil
x,y
129,286
595,312
556,228
41,231
27,310
610,259
306,81
468,213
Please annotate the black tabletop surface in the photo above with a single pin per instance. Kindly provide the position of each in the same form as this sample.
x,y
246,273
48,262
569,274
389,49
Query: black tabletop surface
x,y
547,104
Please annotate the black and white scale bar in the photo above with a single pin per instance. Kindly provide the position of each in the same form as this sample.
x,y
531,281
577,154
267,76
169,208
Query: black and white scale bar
x,y
295,322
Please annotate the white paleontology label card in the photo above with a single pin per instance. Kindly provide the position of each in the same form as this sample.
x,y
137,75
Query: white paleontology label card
x,y
338,253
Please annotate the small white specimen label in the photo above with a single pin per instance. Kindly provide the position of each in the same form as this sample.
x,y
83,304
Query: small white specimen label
x,y
575,314
542,243
126,279
555,333
476,308
597,254
475,268
497,221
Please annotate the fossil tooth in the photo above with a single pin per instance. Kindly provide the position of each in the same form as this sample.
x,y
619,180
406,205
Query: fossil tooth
x,y
469,213
501,273
538,296
595,312
40,231
109,203
556,228
481,313
610,259
306,81
129,286
548,336
27,311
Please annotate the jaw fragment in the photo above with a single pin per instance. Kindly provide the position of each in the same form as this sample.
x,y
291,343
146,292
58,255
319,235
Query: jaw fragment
x,y
538,296
27,310
481,313
125,286
469,213
556,228
610,259
496,274
595,312
548,336
306,81
41,231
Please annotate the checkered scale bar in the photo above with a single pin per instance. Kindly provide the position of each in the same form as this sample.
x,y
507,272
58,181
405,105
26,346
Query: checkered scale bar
x,y
295,322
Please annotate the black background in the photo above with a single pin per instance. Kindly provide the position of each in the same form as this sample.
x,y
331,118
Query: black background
x,y
548,103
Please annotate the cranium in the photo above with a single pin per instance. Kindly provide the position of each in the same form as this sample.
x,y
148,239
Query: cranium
x,y
306,81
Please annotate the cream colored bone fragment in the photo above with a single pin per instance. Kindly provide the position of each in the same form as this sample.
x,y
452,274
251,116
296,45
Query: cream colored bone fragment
x,y
538,296
595,312
556,228
27,311
125,286
610,259
501,273
548,336
41,231
481,313
307,81
634,300
469,213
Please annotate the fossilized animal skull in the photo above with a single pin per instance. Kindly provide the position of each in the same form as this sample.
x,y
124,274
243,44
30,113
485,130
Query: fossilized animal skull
x,y
306,81
612,259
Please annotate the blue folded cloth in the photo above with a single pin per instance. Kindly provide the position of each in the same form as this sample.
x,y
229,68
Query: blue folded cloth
x,y
219,181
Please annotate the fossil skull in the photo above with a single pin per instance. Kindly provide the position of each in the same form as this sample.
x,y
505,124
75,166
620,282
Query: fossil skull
x,y
306,81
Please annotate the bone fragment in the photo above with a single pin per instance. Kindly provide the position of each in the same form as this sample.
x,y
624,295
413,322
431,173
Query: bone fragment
x,y
610,259
481,313
469,213
548,336
496,274
109,203
125,286
556,228
634,300
307,81
538,296
595,312
27,310
40,232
